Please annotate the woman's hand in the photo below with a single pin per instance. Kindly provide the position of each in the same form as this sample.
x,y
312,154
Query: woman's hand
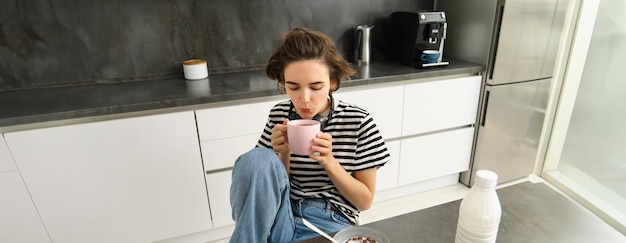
x,y
279,143
279,139
323,149
359,188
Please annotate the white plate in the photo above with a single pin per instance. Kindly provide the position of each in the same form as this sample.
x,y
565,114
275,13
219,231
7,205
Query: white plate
x,y
356,231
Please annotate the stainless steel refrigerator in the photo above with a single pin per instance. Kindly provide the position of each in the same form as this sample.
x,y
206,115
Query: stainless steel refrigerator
x,y
517,41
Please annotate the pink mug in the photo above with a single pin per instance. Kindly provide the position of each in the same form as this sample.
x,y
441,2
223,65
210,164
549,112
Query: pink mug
x,y
300,134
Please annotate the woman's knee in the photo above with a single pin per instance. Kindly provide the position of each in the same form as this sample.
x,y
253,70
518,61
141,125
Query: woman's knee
x,y
258,160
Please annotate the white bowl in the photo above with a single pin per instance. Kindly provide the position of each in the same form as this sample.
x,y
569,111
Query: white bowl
x,y
356,231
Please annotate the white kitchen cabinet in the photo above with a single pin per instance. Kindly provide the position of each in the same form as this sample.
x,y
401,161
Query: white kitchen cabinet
x,y
225,133
435,155
160,177
438,105
19,221
128,180
387,176
218,187
385,104
222,153
229,131
235,120
6,161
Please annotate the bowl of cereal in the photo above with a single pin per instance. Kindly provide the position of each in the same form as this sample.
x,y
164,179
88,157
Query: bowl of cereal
x,y
360,234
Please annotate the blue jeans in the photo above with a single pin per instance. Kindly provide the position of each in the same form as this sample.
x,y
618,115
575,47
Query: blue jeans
x,y
262,210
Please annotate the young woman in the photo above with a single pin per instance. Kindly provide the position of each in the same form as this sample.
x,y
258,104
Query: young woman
x,y
273,189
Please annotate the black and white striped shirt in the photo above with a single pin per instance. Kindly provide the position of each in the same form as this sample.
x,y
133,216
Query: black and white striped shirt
x,y
357,145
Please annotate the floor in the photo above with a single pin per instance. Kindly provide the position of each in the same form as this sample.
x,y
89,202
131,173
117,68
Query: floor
x,y
390,208
387,209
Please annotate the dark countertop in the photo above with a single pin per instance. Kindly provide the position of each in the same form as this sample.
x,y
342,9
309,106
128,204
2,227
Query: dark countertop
x,y
62,103
531,212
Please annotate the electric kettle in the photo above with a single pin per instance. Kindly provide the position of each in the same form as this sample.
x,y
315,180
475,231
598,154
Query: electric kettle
x,y
362,44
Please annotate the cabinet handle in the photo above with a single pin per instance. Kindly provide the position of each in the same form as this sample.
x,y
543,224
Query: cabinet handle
x,y
218,170
496,40
483,117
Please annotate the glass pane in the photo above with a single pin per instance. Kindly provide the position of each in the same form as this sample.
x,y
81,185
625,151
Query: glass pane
x,y
594,152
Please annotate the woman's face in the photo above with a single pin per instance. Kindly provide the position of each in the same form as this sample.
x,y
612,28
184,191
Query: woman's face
x,y
308,85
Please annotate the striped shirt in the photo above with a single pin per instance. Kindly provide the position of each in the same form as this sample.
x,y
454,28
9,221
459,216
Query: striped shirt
x,y
357,145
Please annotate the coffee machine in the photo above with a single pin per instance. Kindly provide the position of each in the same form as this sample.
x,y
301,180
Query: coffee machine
x,y
411,33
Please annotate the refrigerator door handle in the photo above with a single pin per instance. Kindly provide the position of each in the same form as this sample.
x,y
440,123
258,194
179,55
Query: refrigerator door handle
x,y
496,38
483,116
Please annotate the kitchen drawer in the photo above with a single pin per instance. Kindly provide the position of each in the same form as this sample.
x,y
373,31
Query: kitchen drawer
x,y
222,153
438,105
435,155
384,104
387,176
218,188
233,121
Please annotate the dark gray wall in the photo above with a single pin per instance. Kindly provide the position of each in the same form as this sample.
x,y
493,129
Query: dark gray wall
x,y
45,43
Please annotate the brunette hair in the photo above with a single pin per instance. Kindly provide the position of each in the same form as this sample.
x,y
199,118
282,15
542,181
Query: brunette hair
x,y
301,44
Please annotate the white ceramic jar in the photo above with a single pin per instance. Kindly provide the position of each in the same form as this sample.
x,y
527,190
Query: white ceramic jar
x,y
195,69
